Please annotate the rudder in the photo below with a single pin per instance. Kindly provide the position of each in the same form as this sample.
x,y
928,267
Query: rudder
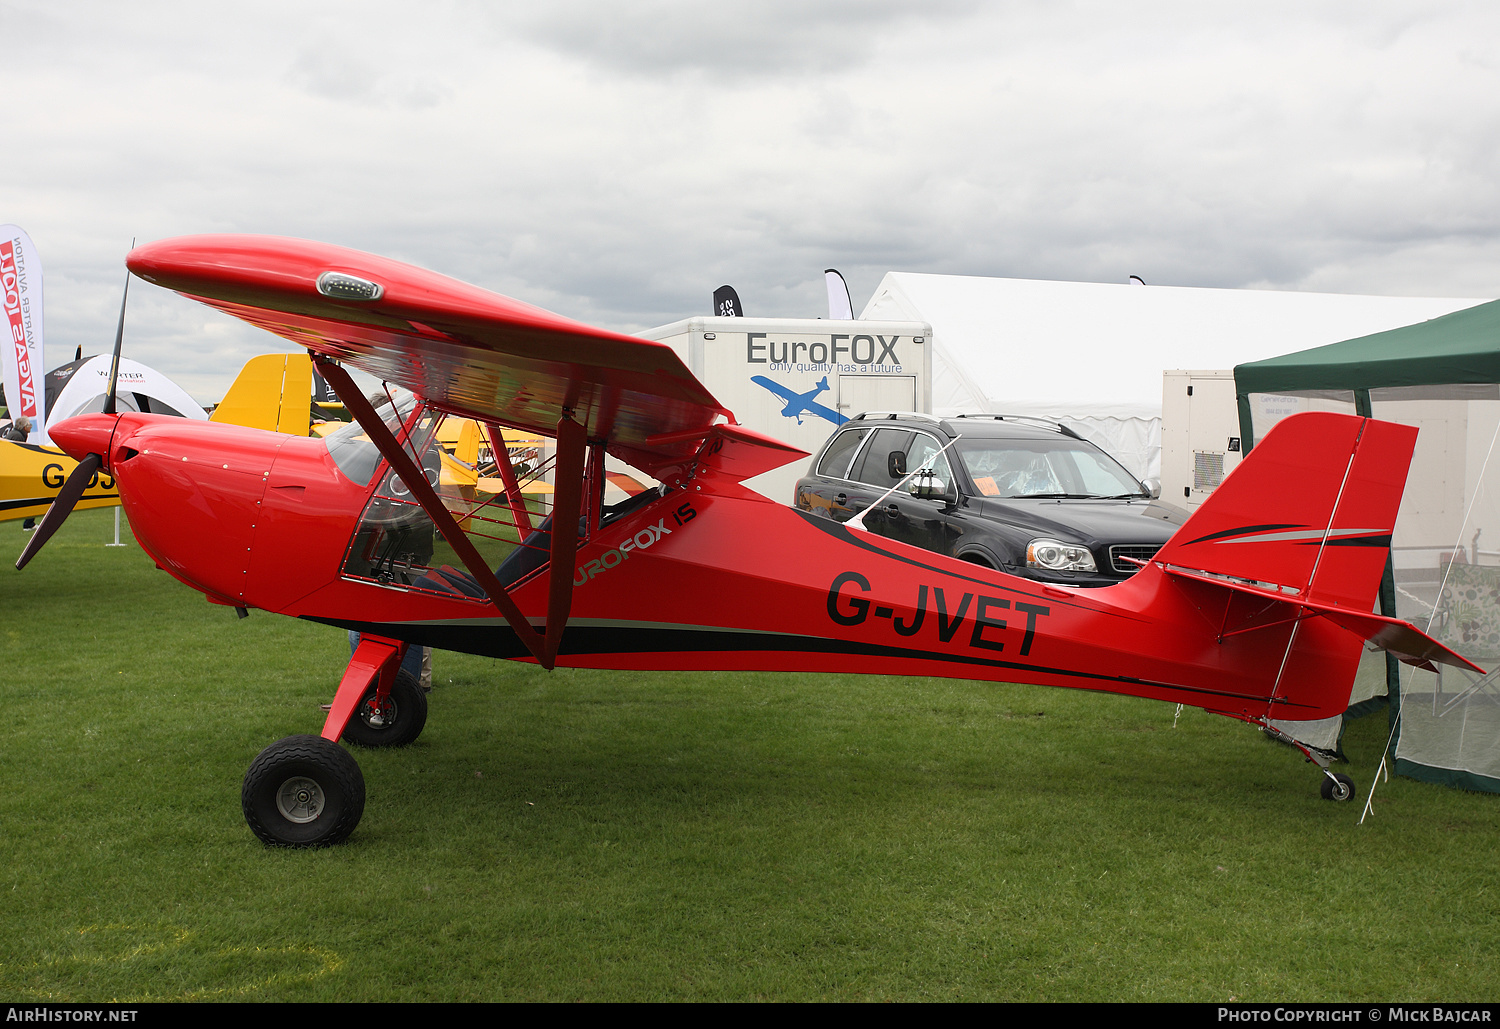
x,y
1308,513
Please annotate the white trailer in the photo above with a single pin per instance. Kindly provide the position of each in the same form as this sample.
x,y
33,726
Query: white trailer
x,y
1200,434
797,379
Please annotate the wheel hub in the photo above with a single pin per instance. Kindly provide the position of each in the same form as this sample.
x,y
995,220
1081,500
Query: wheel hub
x,y
300,799
377,716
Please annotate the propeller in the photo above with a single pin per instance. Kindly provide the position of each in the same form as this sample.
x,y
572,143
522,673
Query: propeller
x,y
114,364
61,507
78,480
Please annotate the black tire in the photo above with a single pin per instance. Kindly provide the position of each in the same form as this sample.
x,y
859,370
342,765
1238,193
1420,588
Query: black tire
x,y
1339,788
303,791
400,722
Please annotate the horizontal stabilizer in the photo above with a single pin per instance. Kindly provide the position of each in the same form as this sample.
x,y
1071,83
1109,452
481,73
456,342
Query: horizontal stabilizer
x,y
1402,639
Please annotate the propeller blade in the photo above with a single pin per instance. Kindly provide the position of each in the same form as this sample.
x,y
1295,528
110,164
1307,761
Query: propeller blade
x,y
67,497
114,365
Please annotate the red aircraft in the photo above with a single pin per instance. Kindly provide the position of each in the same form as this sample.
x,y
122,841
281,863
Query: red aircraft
x,y
1256,609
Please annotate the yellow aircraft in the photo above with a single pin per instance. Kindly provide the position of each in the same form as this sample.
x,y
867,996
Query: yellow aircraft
x,y
31,475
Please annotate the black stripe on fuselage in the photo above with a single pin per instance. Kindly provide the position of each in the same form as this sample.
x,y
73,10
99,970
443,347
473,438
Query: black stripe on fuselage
x,y
500,641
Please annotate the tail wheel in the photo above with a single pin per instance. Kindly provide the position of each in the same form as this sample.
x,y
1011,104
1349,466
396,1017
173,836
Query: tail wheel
x,y
1337,787
396,723
303,791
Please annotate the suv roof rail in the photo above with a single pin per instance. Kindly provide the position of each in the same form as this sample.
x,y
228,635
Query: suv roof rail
x,y
1051,423
892,415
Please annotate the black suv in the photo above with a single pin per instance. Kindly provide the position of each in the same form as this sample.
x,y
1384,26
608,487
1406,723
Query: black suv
x,y
1021,495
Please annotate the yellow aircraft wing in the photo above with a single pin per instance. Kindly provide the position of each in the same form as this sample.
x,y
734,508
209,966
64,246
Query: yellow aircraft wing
x,y
31,475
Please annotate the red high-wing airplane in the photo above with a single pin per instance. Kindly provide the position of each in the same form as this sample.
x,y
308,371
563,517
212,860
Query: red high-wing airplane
x,y
1256,609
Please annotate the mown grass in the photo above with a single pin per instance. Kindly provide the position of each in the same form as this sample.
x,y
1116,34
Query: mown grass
x,y
593,836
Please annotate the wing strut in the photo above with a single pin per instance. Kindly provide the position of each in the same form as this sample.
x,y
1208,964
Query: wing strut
x,y
513,493
412,475
567,500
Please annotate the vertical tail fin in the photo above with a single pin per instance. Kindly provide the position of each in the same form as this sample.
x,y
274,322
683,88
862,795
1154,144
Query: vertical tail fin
x,y
272,391
1308,513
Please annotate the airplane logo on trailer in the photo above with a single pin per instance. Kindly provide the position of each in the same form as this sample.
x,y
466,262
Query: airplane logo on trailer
x,y
1256,621
799,404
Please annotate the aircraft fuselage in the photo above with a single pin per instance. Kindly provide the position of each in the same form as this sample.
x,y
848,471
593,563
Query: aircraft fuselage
x,y
708,577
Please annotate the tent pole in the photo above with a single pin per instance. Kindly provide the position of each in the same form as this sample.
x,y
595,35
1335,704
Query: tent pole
x,y
117,542
1363,408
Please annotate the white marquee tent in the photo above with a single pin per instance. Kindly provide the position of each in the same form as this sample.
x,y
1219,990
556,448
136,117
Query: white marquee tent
x,y
1091,354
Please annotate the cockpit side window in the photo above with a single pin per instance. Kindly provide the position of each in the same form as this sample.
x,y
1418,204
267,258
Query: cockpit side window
x,y
396,543
354,452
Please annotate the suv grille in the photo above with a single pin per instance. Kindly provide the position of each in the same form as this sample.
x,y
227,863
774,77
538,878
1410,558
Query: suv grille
x,y
1140,553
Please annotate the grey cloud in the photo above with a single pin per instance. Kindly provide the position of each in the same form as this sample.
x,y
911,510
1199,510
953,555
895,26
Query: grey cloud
x,y
730,39
591,162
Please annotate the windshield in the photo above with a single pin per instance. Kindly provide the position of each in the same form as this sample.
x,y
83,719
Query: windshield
x,y
353,451
1045,468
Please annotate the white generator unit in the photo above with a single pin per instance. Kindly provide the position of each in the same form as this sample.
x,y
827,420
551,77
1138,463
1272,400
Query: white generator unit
x,y
1200,434
798,379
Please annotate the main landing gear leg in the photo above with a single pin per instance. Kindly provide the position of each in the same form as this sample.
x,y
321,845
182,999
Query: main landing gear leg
x,y
307,791
386,706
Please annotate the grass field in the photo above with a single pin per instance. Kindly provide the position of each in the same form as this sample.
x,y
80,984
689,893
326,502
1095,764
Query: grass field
x,y
609,836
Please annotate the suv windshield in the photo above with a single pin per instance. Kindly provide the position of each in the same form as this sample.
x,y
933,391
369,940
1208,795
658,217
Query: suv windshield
x,y
1044,468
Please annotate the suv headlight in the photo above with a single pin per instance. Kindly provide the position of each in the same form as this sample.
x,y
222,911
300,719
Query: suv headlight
x,y
1057,556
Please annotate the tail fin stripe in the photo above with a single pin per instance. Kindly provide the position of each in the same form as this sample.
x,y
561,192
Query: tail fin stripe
x,y
1245,530
1309,536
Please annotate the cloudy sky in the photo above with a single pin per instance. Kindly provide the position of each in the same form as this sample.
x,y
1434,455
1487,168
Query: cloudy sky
x,y
617,161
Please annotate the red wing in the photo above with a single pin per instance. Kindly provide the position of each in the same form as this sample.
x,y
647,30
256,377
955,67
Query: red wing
x,y
465,349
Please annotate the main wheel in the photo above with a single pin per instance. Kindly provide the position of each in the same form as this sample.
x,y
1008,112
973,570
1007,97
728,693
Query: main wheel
x,y
398,722
303,791
1337,787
